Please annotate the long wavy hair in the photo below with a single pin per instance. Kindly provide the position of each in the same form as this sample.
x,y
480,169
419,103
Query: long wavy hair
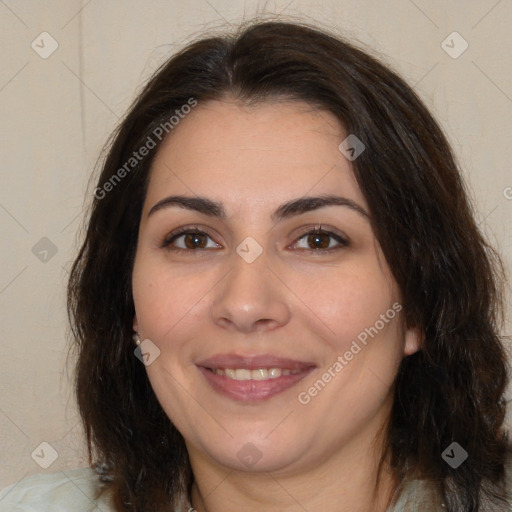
x,y
450,279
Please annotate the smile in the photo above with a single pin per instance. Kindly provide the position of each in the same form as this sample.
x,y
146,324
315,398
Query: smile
x,y
258,374
252,378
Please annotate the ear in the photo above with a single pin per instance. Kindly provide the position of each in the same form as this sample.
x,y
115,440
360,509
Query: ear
x,y
414,338
135,324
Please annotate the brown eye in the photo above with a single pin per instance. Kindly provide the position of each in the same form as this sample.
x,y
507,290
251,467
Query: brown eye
x,y
320,241
194,241
190,240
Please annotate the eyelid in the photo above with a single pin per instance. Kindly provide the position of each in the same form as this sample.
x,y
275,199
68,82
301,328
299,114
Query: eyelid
x,y
342,239
184,230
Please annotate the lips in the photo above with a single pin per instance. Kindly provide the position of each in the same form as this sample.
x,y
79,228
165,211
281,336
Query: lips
x,y
252,378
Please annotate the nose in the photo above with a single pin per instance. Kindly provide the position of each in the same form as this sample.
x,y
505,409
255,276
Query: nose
x,y
251,298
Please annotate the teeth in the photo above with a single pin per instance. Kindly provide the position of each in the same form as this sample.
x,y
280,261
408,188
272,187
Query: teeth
x,y
241,374
259,374
274,372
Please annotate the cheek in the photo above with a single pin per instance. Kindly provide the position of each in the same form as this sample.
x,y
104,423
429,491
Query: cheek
x,y
347,303
169,307
164,300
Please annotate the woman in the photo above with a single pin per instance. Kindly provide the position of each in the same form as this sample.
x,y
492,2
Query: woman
x,y
283,301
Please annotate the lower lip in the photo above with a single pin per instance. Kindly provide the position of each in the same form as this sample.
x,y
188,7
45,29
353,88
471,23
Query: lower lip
x,y
252,390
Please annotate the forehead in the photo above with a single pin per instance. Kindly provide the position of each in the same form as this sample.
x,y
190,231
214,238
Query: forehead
x,y
278,150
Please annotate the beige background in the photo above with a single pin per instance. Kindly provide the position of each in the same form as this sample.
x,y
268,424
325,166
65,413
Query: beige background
x,y
58,111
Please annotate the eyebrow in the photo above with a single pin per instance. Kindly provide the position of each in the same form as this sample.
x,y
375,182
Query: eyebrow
x,y
294,207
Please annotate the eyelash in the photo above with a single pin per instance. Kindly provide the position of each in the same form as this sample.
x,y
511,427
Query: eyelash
x,y
188,230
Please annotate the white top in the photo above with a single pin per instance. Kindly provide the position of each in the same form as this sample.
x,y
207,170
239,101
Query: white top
x,y
68,491
74,491
56,492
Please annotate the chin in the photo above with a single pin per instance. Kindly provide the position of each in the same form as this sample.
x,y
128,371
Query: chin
x,y
247,453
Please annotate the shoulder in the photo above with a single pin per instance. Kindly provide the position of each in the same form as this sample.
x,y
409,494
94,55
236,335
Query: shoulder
x,y
56,492
423,495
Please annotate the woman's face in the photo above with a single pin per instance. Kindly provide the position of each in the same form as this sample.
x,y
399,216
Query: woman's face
x,y
277,320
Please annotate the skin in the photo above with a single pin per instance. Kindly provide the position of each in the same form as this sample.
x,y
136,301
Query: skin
x,y
290,302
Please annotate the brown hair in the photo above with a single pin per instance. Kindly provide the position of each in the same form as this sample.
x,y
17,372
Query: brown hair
x,y
450,390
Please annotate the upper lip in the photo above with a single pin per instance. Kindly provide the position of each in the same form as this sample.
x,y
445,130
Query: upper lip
x,y
253,362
